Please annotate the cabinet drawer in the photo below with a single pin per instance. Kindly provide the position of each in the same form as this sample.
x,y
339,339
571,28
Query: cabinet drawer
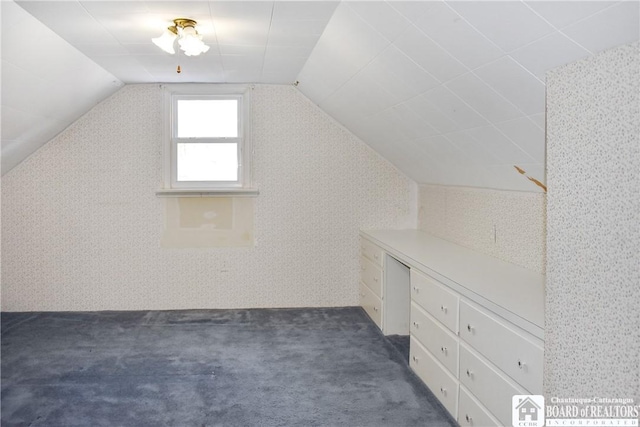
x,y
472,413
371,275
371,251
371,304
435,338
435,299
492,388
443,385
513,351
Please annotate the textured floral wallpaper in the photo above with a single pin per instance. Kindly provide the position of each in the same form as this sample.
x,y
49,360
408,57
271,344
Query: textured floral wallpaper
x,y
81,224
592,343
509,225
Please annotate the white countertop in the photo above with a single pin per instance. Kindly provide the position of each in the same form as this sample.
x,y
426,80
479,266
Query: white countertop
x,y
511,291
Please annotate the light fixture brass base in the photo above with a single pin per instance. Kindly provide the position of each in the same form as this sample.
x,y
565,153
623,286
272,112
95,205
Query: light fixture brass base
x,y
184,22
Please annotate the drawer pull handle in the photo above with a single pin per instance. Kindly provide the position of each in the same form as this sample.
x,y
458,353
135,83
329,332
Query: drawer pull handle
x,y
521,364
375,309
375,279
468,418
416,324
443,390
415,359
443,309
416,289
443,349
469,373
470,328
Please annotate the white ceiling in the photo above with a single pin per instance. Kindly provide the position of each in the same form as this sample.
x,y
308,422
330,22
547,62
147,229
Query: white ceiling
x,y
454,92
41,91
450,92
251,41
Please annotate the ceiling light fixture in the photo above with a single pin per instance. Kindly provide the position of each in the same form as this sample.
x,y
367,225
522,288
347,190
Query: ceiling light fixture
x,y
188,38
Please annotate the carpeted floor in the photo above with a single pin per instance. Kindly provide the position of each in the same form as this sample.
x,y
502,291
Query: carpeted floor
x,y
401,343
289,367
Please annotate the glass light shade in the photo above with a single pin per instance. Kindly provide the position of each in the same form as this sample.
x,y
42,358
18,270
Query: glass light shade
x,y
165,41
191,42
196,50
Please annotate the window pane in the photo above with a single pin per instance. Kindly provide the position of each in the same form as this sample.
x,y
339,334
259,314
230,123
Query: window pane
x,y
207,162
208,118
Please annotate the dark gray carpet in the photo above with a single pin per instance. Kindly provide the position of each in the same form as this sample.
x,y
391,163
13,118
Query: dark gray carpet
x,y
401,343
289,367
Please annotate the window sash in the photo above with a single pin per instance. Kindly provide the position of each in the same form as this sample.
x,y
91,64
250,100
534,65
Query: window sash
x,y
239,93
203,184
195,97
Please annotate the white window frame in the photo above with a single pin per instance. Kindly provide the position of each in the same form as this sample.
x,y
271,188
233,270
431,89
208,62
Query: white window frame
x,y
172,187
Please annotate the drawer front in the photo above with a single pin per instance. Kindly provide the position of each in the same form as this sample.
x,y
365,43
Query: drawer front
x,y
371,251
490,387
371,275
513,351
435,338
433,297
472,413
371,304
435,376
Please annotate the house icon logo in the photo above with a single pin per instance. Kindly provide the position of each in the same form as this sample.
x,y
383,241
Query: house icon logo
x,y
528,411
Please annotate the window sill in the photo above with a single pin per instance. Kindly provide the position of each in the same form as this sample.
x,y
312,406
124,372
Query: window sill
x,y
226,192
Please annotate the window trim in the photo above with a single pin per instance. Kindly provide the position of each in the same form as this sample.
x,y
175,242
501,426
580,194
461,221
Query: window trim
x,y
173,188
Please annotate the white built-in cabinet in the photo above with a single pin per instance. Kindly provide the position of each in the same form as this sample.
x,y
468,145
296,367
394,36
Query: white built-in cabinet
x,y
475,322
383,279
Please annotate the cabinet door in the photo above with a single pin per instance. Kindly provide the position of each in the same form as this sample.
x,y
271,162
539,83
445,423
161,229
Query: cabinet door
x,y
490,386
513,351
371,251
443,385
439,302
371,304
471,412
371,275
435,337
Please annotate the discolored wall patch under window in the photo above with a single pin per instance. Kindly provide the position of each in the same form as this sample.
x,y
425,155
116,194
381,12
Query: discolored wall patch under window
x,y
209,213
208,222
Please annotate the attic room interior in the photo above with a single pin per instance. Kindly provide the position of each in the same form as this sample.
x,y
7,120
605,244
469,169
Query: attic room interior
x,y
327,213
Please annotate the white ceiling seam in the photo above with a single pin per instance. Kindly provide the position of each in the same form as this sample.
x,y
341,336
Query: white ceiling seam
x,y
265,46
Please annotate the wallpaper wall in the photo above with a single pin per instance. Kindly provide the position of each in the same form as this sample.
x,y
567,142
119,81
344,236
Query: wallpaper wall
x,y
509,225
592,346
81,224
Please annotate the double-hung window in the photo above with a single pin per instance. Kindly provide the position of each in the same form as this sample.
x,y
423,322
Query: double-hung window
x,y
208,147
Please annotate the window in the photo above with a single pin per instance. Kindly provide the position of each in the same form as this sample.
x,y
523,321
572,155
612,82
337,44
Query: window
x,y
208,140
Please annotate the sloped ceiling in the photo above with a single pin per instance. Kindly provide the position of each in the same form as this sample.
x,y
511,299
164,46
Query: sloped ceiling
x,y
58,66
46,84
453,92
250,41
450,92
